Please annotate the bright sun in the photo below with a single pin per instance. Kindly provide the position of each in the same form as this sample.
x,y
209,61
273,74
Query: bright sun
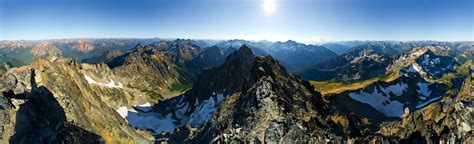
x,y
269,6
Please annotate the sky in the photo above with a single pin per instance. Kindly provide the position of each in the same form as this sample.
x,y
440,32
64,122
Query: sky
x,y
301,20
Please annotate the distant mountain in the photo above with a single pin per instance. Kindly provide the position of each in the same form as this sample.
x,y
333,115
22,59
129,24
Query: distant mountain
x,y
179,50
45,49
256,47
297,55
388,48
357,64
291,54
105,57
210,57
431,61
336,48
22,52
156,67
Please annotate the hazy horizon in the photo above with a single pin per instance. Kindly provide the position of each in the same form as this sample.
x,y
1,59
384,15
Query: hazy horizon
x,y
274,20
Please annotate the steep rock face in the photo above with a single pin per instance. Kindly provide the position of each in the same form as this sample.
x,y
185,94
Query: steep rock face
x,y
431,61
195,107
82,104
56,103
385,106
179,51
384,101
446,121
273,106
236,68
260,102
149,69
35,116
209,58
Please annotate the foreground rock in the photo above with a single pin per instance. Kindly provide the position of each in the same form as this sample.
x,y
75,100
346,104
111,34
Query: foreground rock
x,y
51,101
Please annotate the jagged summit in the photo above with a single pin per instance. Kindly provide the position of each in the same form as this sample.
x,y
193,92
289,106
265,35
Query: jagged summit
x,y
256,92
228,77
272,106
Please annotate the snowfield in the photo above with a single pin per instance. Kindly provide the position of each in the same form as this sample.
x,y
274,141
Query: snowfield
x,y
146,119
380,102
111,84
424,90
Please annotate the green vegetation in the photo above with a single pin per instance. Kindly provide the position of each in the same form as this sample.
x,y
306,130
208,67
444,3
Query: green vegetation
x,y
464,69
179,87
17,57
452,92
334,87
153,94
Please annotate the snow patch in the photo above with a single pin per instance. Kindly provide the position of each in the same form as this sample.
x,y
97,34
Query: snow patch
x,y
146,107
381,103
111,84
396,89
424,90
421,105
146,119
204,111
122,111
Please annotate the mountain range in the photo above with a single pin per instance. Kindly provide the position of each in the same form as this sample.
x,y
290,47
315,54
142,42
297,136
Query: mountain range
x,y
225,91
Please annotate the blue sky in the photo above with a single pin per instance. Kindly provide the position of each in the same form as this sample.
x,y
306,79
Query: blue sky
x,y
301,20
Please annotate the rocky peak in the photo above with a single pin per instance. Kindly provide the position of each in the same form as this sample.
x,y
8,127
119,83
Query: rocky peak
x,y
229,77
266,66
139,45
272,106
244,55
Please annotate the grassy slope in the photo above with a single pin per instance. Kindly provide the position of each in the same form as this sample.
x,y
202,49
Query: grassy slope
x,y
334,87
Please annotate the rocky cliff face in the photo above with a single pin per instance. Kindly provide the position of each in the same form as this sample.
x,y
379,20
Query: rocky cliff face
x,y
53,101
150,69
272,106
245,99
209,58
179,51
248,98
446,121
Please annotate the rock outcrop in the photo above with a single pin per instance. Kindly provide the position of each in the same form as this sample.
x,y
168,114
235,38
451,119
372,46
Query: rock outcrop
x,y
51,101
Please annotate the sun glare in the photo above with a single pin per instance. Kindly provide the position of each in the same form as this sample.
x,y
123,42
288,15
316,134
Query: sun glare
x,y
269,6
